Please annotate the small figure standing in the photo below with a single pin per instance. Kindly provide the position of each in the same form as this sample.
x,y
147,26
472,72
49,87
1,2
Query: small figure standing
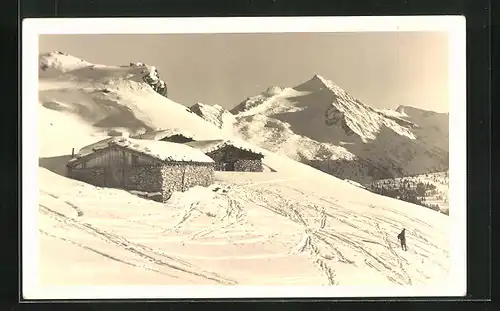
x,y
323,219
402,239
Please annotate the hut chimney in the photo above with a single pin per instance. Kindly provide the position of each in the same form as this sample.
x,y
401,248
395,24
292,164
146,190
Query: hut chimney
x,y
72,152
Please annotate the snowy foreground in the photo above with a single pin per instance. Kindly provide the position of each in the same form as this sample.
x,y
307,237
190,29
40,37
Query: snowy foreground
x,y
293,226
267,229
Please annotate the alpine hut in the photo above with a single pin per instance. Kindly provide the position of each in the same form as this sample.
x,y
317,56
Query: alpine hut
x,y
230,155
152,168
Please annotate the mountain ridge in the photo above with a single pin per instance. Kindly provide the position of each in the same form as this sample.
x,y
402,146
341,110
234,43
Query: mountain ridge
x,y
384,143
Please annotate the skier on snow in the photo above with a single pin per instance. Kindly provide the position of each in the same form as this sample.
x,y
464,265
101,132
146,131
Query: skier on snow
x,y
402,239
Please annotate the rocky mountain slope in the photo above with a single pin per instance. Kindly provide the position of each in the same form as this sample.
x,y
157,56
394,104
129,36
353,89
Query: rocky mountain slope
x,y
215,114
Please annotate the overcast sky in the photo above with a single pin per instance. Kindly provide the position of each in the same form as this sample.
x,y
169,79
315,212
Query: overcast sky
x,y
383,70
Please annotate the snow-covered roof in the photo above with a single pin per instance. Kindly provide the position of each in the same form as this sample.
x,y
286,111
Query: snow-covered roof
x,y
207,146
164,133
163,151
94,147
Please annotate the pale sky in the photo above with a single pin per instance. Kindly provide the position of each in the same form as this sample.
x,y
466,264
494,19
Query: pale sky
x,y
384,70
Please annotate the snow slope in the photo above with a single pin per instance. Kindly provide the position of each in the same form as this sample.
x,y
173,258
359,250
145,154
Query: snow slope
x,y
294,226
112,98
268,228
320,124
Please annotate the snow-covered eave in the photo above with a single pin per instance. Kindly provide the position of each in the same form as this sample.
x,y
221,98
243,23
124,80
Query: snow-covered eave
x,y
79,158
161,134
216,146
100,150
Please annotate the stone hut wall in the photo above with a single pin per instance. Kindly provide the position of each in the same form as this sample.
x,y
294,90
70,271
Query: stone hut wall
x,y
199,175
141,178
172,179
234,159
147,178
182,176
93,176
248,165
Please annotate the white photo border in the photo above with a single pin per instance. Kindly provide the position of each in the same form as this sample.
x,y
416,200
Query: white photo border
x,y
32,28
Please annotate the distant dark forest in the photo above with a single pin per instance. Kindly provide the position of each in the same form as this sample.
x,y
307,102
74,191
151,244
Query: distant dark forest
x,y
406,190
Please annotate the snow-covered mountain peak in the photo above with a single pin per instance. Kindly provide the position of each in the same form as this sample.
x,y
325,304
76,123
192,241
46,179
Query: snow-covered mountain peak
x,y
207,108
319,83
402,108
214,114
326,108
273,90
323,80
60,65
413,112
60,61
393,113
350,113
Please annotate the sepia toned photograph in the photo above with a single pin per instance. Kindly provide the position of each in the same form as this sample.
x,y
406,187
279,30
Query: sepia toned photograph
x,y
262,157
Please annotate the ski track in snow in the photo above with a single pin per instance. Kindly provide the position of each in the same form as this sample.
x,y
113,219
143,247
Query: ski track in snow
x,y
150,255
397,271
333,235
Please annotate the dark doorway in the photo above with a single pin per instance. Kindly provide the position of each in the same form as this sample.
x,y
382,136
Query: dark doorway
x,y
229,166
114,177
